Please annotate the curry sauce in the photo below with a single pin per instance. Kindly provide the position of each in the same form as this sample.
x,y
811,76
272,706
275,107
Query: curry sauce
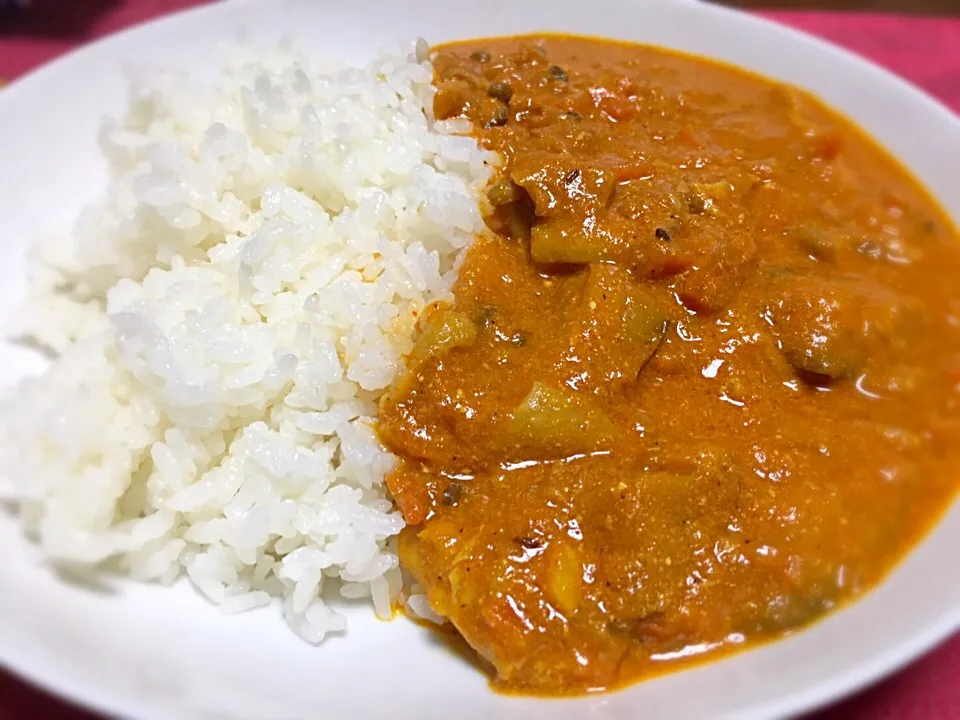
x,y
699,384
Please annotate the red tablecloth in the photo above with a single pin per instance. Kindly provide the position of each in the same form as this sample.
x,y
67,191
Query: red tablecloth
x,y
925,50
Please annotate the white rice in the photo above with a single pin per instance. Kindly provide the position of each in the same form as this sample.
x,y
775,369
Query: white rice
x,y
226,319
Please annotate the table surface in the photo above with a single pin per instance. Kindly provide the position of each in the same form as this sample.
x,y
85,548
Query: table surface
x,y
925,50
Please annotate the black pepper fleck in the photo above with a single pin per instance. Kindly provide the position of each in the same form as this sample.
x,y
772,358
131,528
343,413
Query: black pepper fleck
x,y
452,494
499,118
485,316
500,91
520,338
530,543
696,204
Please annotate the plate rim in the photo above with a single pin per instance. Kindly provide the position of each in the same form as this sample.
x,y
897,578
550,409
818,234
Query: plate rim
x,y
805,699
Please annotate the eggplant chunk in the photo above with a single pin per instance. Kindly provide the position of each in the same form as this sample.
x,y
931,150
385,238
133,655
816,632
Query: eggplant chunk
x,y
445,331
615,326
829,328
556,242
551,422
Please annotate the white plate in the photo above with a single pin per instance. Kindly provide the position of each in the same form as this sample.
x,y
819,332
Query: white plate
x,y
150,652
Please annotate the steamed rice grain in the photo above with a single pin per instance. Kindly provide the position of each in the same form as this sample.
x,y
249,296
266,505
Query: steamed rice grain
x,y
226,319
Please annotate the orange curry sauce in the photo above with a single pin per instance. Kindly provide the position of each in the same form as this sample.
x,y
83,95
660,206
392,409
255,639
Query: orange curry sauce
x,y
699,383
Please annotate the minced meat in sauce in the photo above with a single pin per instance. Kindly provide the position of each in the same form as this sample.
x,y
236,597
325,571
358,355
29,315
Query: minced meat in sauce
x,y
699,383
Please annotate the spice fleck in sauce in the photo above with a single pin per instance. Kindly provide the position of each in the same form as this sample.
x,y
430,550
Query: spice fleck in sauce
x,y
699,383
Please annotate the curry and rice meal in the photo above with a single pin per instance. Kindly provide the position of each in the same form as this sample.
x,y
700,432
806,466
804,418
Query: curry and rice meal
x,y
609,358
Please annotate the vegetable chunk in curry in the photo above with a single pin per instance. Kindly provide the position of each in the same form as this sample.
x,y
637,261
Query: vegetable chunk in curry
x,y
699,382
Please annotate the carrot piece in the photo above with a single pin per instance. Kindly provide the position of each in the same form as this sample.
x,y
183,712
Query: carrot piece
x,y
635,171
411,495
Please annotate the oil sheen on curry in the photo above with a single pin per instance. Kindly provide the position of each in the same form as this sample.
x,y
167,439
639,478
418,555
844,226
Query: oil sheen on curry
x,y
699,382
